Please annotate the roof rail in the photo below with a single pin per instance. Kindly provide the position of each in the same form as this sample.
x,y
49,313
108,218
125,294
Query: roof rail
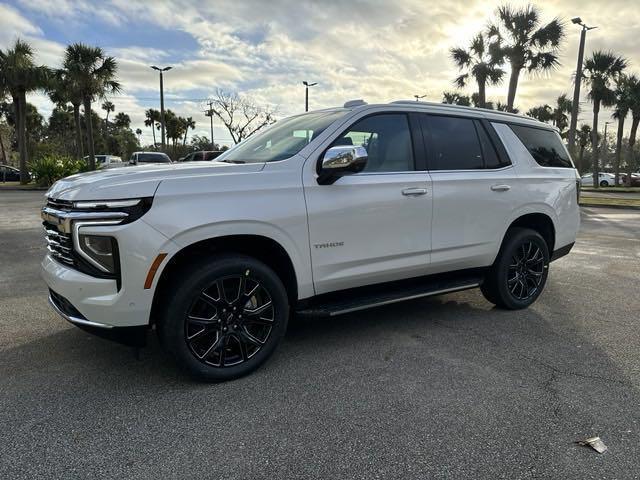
x,y
459,107
354,103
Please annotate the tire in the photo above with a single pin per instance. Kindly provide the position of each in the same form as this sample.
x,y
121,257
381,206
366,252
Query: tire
x,y
218,336
604,183
519,274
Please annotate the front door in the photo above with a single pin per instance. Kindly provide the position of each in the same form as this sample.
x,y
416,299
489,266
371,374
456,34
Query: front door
x,y
373,226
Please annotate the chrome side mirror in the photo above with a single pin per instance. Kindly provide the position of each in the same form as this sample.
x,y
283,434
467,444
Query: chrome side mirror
x,y
339,161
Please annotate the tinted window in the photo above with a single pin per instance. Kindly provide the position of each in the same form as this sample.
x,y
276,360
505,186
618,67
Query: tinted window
x,y
491,158
153,158
387,140
454,144
545,146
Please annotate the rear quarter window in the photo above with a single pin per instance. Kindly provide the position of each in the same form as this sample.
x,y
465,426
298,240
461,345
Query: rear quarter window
x,y
545,146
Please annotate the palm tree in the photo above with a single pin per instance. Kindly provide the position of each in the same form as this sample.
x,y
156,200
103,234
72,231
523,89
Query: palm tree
x,y
152,116
584,136
561,111
94,73
543,113
138,134
600,71
63,90
19,74
122,120
108,106
634,89
454,98
620,112
524,43
189,123
481,62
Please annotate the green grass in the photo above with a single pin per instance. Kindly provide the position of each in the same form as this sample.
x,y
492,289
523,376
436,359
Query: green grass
x,y
612,189
609,202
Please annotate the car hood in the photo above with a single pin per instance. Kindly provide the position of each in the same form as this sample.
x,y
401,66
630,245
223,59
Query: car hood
x,y
138,181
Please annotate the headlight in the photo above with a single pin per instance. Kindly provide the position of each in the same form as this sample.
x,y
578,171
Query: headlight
x,y
134,208
101,251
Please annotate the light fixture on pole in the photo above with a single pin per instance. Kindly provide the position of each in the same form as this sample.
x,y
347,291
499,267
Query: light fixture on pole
x,y
418,97
306,94
161,101
578,80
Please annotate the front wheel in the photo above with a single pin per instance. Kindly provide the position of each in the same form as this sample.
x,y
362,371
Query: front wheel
x,y
519,274
226,317
604,183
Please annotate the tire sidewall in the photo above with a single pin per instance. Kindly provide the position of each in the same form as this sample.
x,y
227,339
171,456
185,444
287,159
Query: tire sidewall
x,y
194,279
515,239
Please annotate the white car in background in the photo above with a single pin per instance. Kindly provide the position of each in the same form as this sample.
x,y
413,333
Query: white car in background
x,y
605,180
107,161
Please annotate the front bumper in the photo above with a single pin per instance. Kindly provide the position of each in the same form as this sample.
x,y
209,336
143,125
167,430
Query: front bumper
x,y
133,336
101,301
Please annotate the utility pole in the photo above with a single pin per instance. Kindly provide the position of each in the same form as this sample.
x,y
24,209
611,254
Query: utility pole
x,y
578,81
165,69
209,113
306,94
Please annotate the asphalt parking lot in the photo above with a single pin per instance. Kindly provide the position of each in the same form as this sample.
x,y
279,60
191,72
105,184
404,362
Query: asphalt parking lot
x,y
445,387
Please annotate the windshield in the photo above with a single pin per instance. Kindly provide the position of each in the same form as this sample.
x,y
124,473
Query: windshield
x,y
282,140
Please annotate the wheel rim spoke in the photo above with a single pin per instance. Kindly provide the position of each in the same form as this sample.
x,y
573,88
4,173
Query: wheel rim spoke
x,y
222,331
526,271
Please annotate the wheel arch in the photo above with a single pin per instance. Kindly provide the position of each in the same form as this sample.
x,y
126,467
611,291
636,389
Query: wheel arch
x,y
262,248
539,222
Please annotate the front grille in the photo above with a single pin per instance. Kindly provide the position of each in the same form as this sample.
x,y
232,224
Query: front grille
x,y
59,244
63,205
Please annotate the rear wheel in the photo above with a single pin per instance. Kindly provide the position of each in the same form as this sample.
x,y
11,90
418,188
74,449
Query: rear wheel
x,y
225,318
519,274
604,183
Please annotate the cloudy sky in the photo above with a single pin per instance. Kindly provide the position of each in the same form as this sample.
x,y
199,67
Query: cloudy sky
x,y
378,50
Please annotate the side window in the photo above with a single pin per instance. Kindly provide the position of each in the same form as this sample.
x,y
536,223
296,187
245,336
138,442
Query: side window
x,y
387,140
454,144
545,146
491,158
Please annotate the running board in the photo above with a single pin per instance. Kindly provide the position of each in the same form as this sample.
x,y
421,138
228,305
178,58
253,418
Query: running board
x,y
377,295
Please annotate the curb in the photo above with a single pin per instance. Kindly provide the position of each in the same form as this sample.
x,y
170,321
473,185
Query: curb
x,y
620,207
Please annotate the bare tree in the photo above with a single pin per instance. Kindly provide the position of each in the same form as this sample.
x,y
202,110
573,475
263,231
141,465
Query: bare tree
x,y
240,115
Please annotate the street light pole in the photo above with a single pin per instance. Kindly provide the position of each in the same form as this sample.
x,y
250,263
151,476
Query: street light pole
x,y
306,94
578,81
162,101
418,97
209,113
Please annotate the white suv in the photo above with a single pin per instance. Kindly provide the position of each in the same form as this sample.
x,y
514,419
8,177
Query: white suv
x,y
323,213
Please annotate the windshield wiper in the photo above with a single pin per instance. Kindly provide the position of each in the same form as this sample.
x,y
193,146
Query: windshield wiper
x,y
232,161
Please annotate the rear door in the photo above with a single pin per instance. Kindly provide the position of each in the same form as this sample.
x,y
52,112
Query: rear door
x,y
472,192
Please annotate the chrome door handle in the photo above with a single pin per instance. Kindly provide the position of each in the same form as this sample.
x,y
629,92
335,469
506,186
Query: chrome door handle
x,y
414,192
500,188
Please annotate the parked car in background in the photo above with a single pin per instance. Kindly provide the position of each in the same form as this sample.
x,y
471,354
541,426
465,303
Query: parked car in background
x,y
201,156
605,180
635,179
107,161
149,157
10,174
